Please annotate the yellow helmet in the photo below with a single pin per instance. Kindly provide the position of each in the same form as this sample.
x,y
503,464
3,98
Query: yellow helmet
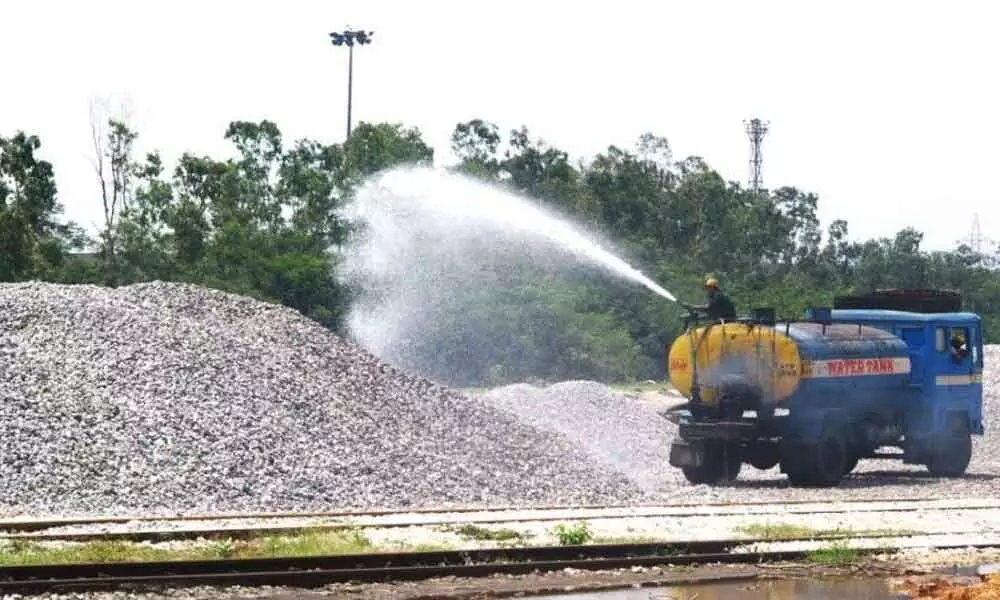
x,y
712,282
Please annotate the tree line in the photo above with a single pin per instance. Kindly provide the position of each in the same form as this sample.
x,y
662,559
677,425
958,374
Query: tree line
x,y
263,223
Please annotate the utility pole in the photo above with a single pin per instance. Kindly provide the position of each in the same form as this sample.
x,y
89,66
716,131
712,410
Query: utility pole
x,y
756,130
349,38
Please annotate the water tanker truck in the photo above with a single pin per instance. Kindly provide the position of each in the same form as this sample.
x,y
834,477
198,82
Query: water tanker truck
x,y
895,374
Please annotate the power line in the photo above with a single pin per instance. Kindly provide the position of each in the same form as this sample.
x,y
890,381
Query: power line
x,y
349,38
755,130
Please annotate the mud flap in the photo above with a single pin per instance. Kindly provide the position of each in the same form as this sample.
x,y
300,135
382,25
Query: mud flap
x,y
687,454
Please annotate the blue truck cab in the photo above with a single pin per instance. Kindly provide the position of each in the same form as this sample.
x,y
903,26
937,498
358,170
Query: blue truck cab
x,y
944,397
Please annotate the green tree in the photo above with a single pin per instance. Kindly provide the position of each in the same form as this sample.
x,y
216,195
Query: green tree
x,y
33,240
265,221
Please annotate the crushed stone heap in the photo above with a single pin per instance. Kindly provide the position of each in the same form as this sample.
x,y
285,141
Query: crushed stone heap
x,y
166,398
614,429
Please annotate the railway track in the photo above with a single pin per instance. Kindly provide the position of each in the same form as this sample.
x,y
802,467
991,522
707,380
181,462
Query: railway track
x,y
640,509
243,525
248,533
303,572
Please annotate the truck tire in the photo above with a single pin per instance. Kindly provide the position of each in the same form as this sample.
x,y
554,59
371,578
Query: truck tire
x,y
764,456
951,456
722,464
820,464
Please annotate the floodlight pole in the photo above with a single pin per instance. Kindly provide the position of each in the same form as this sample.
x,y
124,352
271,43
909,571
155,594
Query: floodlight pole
x,y
349,38
350,86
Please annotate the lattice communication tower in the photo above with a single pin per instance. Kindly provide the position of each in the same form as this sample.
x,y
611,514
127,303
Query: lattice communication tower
x,y
976,240
756,130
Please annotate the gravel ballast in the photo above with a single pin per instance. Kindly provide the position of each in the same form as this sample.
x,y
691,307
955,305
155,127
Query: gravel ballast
x,y
164,398
615,429
168,398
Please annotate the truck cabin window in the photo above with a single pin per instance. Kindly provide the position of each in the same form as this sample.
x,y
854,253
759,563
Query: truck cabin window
x,y
958,343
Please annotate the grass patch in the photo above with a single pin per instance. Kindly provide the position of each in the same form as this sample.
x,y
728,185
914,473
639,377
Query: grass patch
x,y
788,531
834,555
572,535
776,531
626,540
23,552
475,532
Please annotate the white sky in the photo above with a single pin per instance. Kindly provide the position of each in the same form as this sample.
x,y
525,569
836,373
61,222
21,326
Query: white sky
x,y
887,110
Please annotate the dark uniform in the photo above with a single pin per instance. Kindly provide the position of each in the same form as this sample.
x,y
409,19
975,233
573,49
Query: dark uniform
x,y
719,306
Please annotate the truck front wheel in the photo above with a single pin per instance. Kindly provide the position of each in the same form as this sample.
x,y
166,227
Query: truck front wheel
x,y
722,463
950,456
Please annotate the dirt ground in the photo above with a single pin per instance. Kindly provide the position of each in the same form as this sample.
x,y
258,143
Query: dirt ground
x,y
908,574
944,588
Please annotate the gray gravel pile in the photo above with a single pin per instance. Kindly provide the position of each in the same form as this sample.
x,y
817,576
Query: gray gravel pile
x,y
616,430
173,398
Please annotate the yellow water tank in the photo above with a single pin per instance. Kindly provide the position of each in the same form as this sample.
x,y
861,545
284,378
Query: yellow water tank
x,y
764,355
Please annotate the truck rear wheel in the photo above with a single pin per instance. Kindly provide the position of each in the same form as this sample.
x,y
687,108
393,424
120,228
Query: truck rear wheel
x,y
820,464
951,455
722,464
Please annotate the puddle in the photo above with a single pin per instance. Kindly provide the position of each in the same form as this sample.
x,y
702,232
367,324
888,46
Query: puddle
x,y
829,589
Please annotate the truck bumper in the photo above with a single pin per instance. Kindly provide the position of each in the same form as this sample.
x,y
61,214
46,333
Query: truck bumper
x,y
729,431
685,453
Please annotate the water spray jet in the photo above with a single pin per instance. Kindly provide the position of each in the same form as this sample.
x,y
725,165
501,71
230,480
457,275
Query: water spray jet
x,y
428,236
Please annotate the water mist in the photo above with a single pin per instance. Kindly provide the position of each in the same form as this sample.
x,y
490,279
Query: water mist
x,y
435,247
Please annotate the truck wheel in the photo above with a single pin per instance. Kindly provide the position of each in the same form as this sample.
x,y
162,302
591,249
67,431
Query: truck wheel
x,y
722,464
951,456
821,464
764,456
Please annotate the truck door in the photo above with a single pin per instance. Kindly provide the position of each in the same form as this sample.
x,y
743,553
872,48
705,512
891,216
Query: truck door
x,y
955,348
915,338
976,389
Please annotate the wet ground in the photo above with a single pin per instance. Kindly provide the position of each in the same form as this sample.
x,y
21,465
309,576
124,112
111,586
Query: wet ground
x,y
870,580
737,582
827,589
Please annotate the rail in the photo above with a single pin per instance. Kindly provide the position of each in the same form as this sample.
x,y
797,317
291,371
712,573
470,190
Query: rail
x,y
314,571
519,514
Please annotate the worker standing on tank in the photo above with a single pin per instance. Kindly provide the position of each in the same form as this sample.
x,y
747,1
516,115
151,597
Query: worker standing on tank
x,y
719,307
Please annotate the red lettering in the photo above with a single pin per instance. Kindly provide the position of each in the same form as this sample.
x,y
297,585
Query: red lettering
x,y
846,367
678,364
860,366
